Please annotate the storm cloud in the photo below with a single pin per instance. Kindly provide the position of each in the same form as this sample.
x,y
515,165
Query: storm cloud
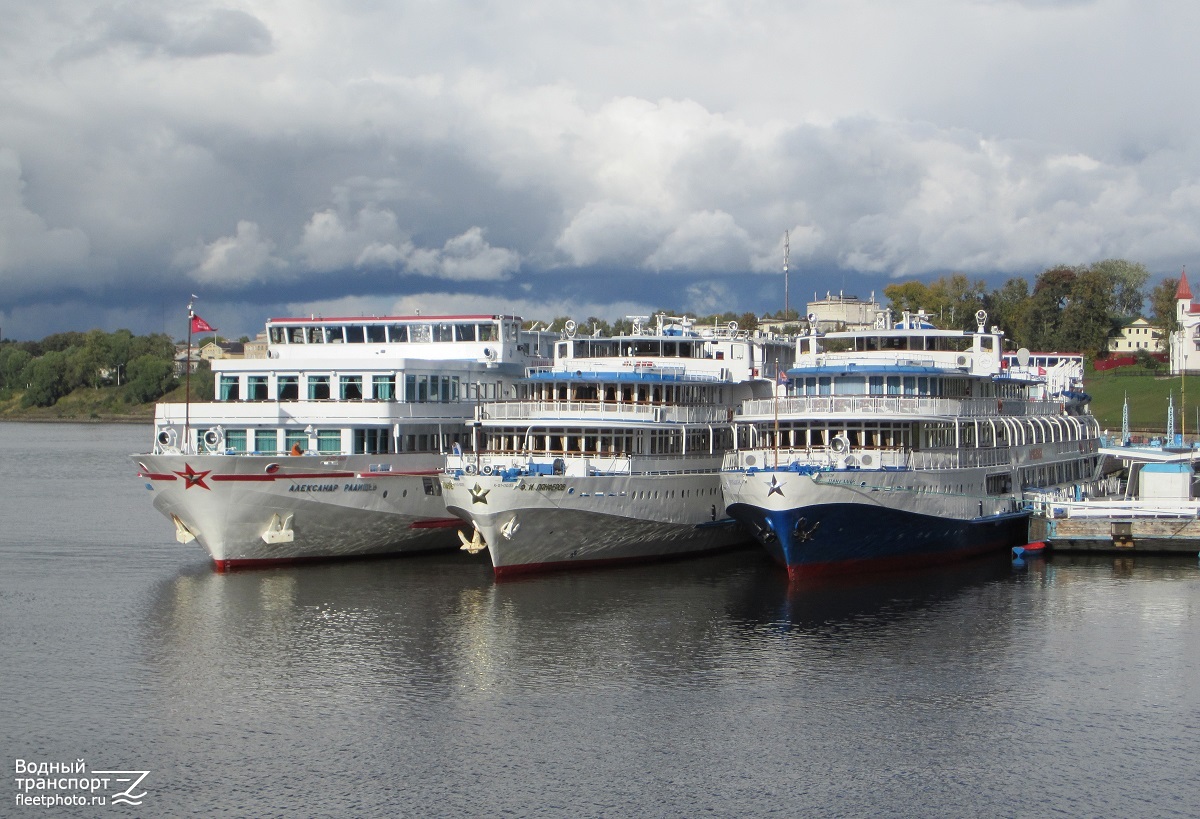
x,y
591,159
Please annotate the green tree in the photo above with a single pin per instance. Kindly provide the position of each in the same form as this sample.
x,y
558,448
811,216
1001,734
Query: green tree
x,y
1162,305
45,380
150,377
1128,279
13,361
1039,322
1006,306
1088,316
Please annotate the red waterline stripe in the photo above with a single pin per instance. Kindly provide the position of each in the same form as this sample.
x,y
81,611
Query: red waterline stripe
x,y
805,571
223,566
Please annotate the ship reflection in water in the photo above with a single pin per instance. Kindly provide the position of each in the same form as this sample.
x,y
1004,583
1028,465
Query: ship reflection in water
x,y
679,688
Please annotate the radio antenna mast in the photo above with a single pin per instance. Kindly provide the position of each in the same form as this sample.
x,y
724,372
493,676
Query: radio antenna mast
x,y
787,250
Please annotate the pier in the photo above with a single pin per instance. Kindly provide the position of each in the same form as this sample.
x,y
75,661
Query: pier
x,y
1163,518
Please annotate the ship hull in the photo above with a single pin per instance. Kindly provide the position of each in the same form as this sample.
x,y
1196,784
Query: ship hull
x,y
251,511
814,527
535,525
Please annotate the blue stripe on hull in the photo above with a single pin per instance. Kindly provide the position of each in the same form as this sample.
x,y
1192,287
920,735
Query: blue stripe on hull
x,y
846,537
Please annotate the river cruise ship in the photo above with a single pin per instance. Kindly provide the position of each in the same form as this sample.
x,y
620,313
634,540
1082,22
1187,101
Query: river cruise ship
x,y
903,444
612,453
333,444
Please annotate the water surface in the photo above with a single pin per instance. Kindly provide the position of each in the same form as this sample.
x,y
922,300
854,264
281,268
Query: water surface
x,y
420,687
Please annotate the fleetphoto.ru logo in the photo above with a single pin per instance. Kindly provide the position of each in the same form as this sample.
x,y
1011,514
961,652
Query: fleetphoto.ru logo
x,y
49,784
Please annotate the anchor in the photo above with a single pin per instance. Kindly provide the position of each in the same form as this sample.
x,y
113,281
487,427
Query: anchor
x,y
182,533
279,530
473,546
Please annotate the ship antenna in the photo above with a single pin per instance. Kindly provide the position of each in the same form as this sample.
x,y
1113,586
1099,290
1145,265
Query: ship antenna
x,y
787,252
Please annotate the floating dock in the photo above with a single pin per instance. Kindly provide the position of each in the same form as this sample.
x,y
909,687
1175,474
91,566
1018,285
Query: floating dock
x,y
1163,519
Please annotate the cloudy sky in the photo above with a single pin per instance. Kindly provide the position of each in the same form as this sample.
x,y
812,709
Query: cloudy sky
x,y
360,157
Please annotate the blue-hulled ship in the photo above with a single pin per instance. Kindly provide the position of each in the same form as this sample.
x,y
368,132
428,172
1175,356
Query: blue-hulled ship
x,y
900,445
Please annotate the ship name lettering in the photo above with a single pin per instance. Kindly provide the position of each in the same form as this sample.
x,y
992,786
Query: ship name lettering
x,y
313,487
551,487
360,487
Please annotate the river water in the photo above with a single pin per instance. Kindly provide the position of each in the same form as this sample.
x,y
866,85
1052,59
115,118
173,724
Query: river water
x,y
421,687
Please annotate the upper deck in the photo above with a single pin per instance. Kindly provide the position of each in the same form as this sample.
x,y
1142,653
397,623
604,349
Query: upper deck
x,y
386,342
674,348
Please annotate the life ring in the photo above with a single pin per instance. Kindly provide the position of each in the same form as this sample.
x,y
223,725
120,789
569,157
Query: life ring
x,y
469,469
487,469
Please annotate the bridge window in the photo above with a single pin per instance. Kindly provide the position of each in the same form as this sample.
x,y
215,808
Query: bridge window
x,y
288,387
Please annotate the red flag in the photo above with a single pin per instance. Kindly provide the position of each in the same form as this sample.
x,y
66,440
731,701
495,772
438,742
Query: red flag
x,y
199,325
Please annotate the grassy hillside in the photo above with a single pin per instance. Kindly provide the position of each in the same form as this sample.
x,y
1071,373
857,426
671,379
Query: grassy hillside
x,y
1148,398
102,404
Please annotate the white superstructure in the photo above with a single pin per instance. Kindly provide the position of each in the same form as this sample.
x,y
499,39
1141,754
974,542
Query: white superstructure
x,y
333,444
904,444
613,452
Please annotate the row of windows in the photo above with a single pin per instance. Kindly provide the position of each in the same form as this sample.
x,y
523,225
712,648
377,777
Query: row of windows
x,y
896,385
412,389
383,333
330,441
609,442
686,394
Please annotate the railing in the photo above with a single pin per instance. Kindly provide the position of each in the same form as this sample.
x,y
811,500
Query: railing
x,y
601,410
541,466
589,369
897,405
869,458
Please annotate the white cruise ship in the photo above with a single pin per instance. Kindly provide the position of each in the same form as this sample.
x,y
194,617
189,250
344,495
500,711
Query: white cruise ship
x,y
613,452
902,445
333,445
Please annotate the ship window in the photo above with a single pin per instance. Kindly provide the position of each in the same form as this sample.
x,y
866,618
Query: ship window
x,y
823,384
329,440
266,441
876,385
228,388
293,437
297,335
893,385
372,441
487,332
443,332
464,332
397,333
384,387
334,335
910,385
235,439
376,333
355,334
256,388
318,388
277,335
420,333
287,387
316,335
351,388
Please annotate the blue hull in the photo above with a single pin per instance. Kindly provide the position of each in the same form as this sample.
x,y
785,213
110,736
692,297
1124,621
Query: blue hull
x,y
844,537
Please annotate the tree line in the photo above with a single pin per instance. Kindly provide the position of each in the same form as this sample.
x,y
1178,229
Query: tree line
x,y
1069,309
45,371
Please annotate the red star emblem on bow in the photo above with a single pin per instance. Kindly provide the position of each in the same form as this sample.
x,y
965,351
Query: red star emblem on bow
x,y
193,478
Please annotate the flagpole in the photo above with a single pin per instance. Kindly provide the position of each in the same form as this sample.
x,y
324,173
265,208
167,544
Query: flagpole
x,y
187,389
